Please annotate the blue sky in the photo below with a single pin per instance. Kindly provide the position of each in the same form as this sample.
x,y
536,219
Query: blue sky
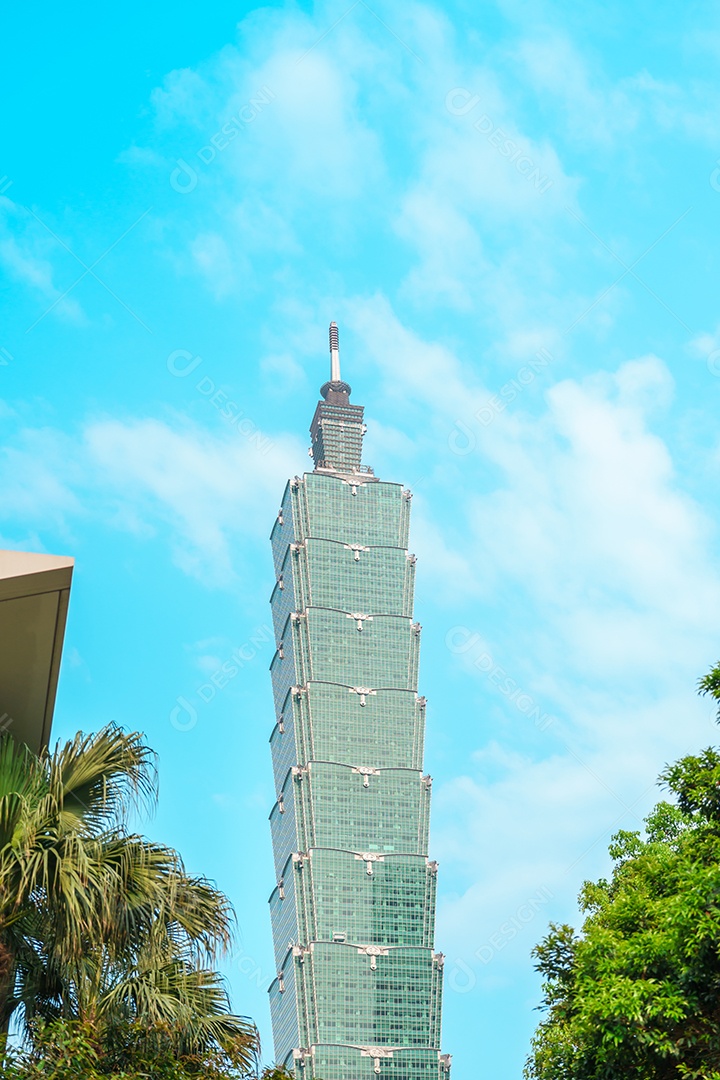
x,y
512,213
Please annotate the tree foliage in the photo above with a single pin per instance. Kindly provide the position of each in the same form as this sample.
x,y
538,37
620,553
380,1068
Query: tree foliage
x,y
105,940
636,995
72,1050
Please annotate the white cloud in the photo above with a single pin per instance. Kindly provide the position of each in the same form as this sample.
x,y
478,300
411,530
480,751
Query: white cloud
x,y
207,488
152,477
314,134
478,176
300,128
182,98
514,825
426,371
212,256
29,254
597,111
38,474
591,521
449,249
611,564
342,98
589,514
23,264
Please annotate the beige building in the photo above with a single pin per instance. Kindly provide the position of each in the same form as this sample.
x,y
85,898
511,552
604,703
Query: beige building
x,y
34,594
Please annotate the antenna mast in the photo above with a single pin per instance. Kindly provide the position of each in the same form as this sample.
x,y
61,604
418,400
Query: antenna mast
x,y
335,391
334,353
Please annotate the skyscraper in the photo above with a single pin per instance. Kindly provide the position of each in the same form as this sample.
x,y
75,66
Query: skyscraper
x,y
359,987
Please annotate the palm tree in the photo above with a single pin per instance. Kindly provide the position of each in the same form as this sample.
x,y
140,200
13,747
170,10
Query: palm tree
x,y
100,925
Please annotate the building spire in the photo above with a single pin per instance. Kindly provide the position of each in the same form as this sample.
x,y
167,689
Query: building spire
x,y
337,427
334,353
335,391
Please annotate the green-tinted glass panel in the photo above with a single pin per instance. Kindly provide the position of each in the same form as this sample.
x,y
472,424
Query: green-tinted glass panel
x,y
283,825
389,900
284,599
283,531
375,515
378,579
339,810
365,999
283,1010
284,913
383,653
282,671
383,726
349,1063
284,750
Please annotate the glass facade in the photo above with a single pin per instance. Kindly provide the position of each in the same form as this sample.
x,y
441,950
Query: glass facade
x,y
358,993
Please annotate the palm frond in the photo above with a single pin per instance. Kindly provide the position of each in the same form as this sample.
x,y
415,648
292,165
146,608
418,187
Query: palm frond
x,y
191,1002
99,925
98,778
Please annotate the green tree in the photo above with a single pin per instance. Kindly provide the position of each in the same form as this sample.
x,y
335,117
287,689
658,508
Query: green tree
x,y
100,929
636,995
70,1050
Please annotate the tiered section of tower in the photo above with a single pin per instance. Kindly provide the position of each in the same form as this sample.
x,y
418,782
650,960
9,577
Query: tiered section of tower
x,y
358,992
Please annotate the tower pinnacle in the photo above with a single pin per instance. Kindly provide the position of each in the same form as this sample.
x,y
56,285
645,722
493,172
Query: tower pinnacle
x,y
331,390
337,427
334,353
